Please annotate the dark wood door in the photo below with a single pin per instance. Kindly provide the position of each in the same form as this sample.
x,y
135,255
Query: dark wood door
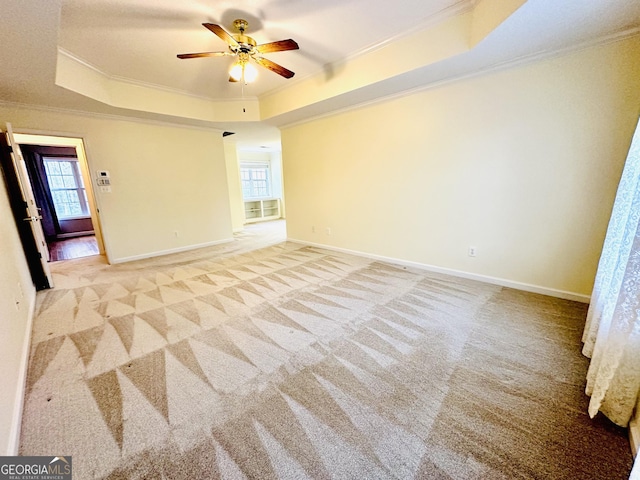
x,y
20,213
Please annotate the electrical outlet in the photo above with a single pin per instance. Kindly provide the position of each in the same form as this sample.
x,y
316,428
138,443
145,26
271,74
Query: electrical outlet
x,y
473,251
313,229
328,230
176,234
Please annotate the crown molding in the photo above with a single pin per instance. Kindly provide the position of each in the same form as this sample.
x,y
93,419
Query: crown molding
x,y
523,60
154,86
105,116
513,63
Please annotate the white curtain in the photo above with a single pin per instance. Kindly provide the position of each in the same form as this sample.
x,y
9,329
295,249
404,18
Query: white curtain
x,y
612,332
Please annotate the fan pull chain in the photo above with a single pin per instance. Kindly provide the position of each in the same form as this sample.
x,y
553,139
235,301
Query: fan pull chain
x,y
244,110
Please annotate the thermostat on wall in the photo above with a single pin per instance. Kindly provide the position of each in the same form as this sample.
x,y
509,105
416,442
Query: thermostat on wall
x,y
103,178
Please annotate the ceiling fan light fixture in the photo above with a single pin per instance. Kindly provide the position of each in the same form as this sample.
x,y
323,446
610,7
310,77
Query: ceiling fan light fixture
x,y
250,73
242,70
246,48
236,71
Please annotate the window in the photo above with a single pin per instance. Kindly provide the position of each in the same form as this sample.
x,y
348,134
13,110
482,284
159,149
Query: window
x,y
256,181
67,188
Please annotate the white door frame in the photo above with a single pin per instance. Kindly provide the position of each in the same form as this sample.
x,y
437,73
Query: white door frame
x,y
78,144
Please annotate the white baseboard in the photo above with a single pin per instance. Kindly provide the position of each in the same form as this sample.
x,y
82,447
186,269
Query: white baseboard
x,y
77,234
634,434
459,273
13,443
167,252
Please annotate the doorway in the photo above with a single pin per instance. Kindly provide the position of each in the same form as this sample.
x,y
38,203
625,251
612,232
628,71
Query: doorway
x,y
59,175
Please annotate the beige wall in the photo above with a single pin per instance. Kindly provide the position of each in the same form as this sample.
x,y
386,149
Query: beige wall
x,y
17,299
522,164
277,181
165,179
235,187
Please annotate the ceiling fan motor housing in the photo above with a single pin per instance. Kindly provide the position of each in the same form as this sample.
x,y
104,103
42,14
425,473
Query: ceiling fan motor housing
x,y
246,44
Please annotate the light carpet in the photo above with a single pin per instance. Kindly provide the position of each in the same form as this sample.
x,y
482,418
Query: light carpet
x,y
294,362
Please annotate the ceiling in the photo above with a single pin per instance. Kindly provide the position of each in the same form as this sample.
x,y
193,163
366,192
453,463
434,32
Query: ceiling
x,y
139,39
119,56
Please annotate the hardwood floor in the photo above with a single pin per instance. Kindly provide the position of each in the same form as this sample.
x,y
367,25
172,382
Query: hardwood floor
x,y
73,248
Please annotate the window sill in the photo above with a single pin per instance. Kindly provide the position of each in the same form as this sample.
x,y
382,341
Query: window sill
x,y
81,217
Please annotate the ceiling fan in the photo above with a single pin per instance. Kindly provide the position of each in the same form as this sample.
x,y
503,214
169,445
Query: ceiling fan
x,y
246,49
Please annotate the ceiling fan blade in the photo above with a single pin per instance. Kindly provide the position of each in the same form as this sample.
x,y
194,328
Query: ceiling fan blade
x,y
274,67
221,32
233,80
203,54
279,46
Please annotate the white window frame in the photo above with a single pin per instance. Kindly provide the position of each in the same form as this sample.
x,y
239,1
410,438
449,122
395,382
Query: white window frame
x,y
80,189
250,189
